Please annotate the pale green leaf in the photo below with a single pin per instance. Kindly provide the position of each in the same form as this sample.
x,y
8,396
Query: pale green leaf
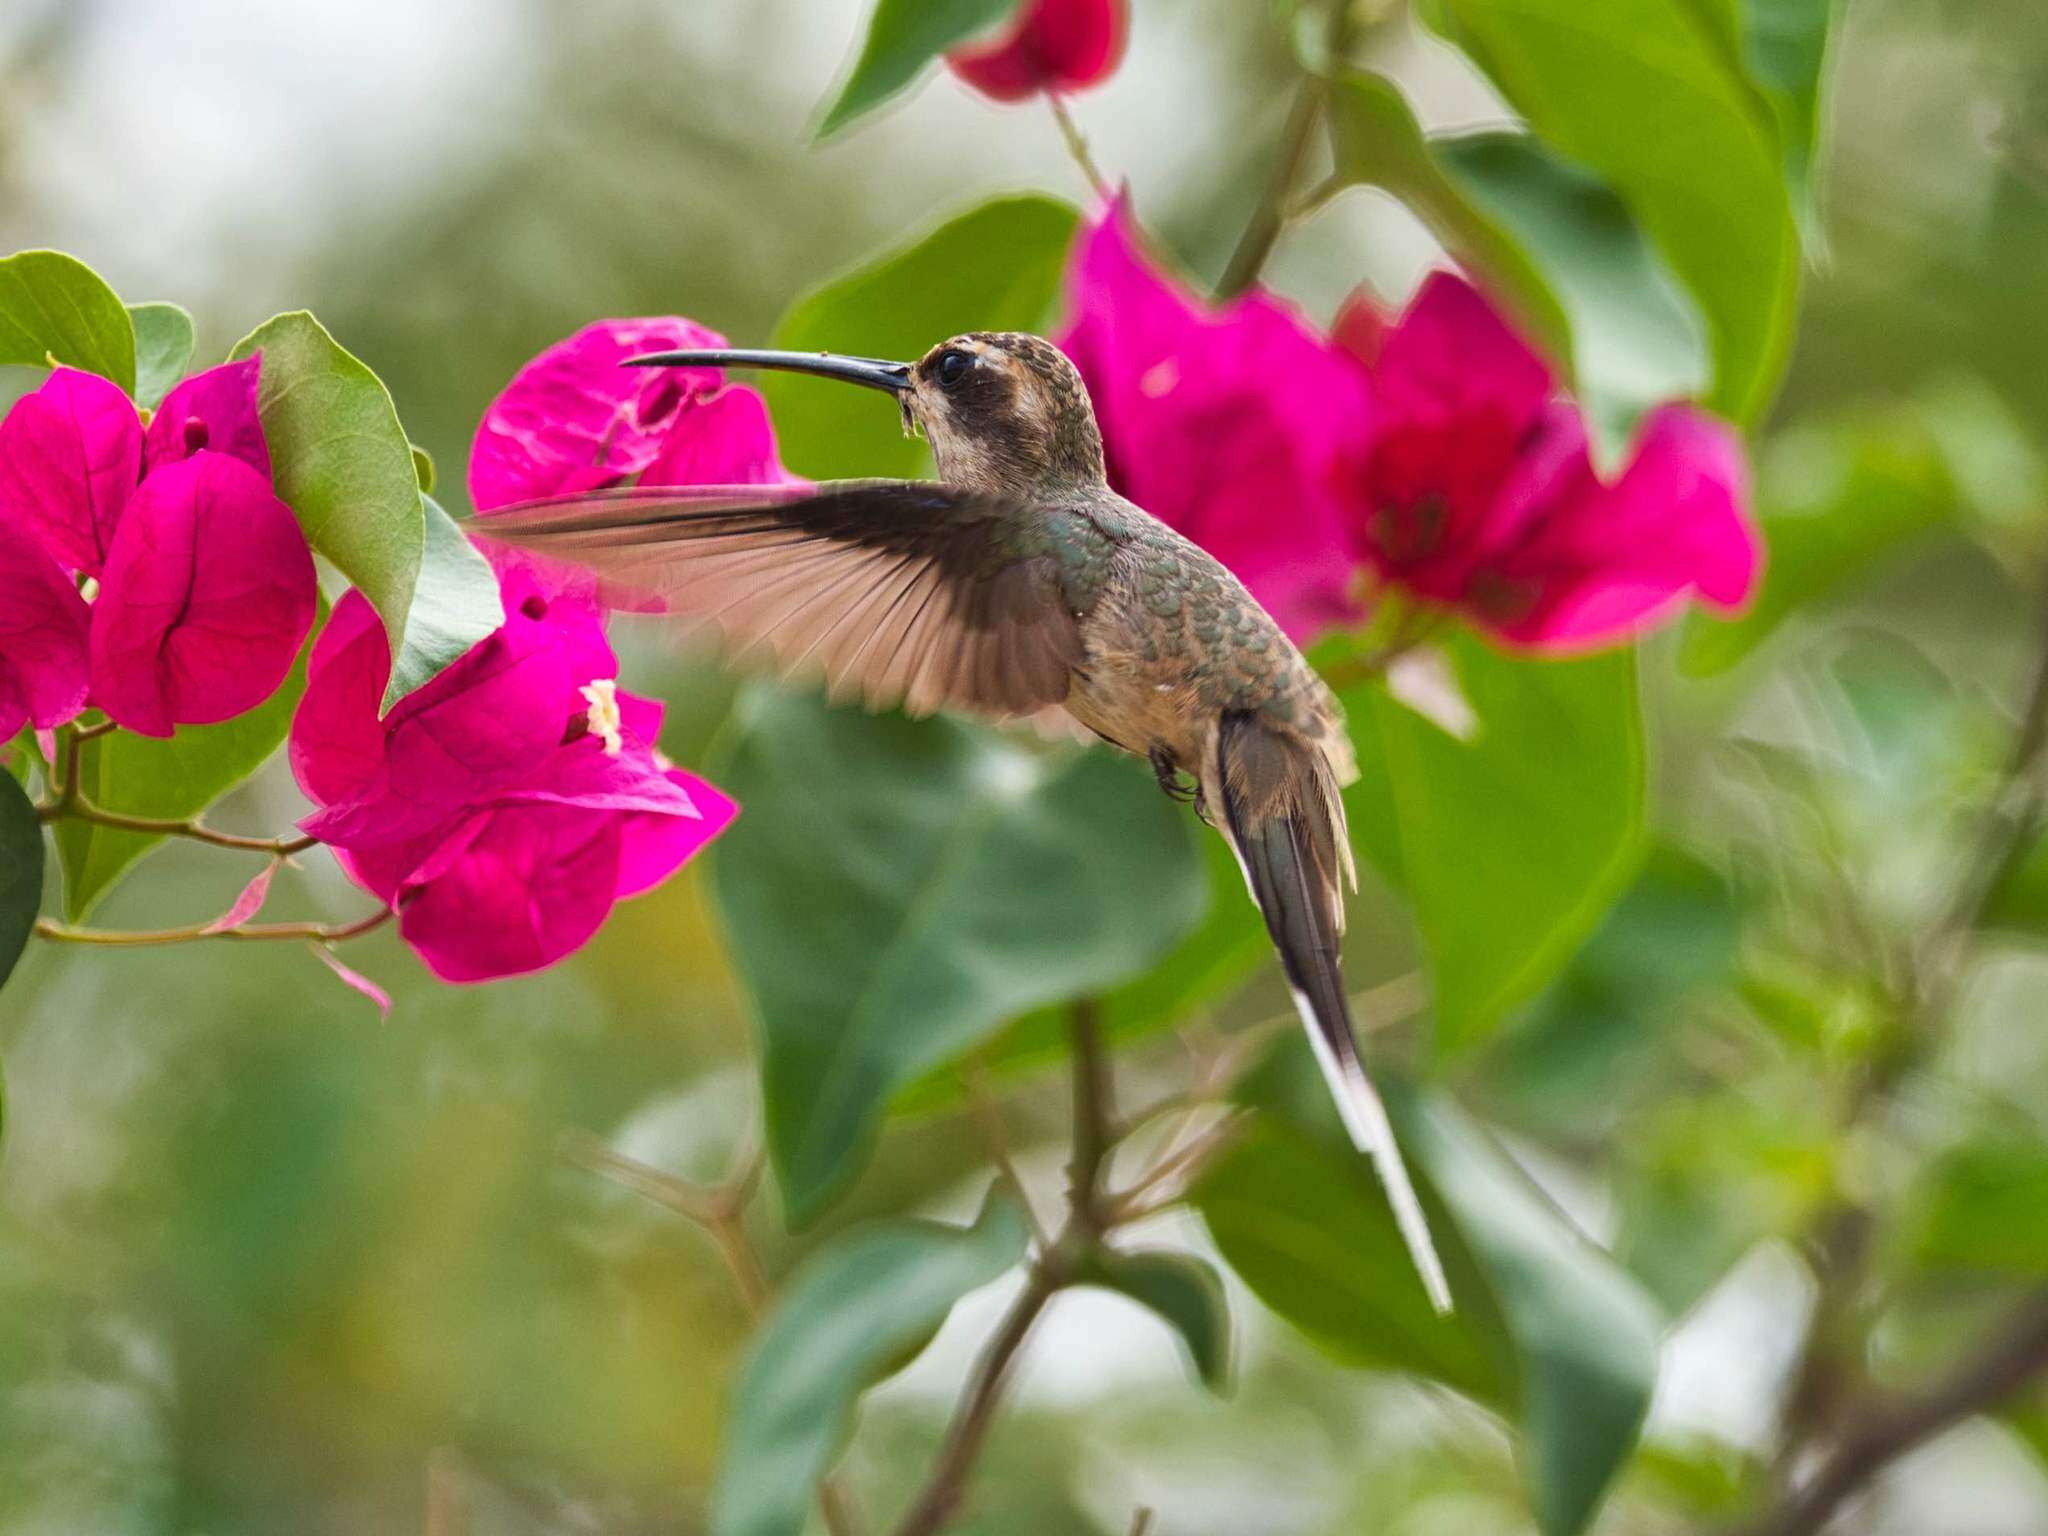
x,y
897,890
903,37
455,604
163,347
341,462
55,307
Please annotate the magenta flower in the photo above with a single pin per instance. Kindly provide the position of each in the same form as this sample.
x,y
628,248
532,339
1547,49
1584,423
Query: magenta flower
x,y
206,595
1474,489
70,457
43,623
1052,45
504,808
205,586
574,420
1227,424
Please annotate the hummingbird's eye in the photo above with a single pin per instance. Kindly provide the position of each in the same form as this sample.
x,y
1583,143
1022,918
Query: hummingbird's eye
x,y
953,367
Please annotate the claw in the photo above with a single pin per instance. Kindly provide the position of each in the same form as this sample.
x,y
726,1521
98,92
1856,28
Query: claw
x,y
1168,773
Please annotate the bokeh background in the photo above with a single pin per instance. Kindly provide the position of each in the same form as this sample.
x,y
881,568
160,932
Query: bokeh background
x,y
267,1265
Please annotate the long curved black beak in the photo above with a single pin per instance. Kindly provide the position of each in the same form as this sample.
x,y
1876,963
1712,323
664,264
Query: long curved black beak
x,y
871,371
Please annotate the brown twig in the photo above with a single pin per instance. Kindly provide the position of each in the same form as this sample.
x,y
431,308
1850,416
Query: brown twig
x,y
135,938
717,1209
2014,1354
995,1139
1052,1268
1826,1380
78,809
446,1511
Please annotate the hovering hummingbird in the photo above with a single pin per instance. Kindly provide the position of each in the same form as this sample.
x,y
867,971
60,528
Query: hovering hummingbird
x,y
1020,586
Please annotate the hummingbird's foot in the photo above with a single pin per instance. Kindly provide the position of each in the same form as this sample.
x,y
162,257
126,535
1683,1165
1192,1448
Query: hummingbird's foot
x,y
1167,772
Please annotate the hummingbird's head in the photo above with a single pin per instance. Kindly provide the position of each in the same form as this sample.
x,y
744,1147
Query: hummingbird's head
x,y
1004,411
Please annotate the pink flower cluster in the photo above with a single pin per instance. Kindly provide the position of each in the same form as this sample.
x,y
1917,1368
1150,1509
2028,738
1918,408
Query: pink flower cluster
x,y
505,807
1431,454
152,573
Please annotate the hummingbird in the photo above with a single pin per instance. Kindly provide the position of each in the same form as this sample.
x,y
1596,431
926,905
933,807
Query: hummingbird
x,y
1020,586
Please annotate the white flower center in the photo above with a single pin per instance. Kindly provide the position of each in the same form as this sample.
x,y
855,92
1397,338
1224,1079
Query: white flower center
x,y
603,716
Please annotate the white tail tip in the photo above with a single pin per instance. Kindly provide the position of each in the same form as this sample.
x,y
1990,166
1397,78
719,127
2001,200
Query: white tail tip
x,y
1358,1104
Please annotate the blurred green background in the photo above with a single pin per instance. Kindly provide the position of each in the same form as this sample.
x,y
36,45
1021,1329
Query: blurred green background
x,y
264,1263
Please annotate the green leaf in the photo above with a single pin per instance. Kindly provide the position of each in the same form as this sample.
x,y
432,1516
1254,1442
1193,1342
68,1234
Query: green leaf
x,y
896,890
163,346
167,780
1644,96
1187,1295
1785,47
21,871
341,461
455,604
1510,846
1569,1062
1549,1331
858,1309
902,40
1556,245
423,469
55,306
1834,499
1706,1177
2018,903
1979,1208
994,268
1222,952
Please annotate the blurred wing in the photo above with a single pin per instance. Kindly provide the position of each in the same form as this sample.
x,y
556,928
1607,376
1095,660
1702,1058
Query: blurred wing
x,y
903,591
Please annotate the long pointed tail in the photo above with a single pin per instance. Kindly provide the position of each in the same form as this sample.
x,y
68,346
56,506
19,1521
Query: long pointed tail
x,y
1278,818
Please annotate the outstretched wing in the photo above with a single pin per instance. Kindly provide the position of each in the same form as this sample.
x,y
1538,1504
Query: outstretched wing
x,y
903,591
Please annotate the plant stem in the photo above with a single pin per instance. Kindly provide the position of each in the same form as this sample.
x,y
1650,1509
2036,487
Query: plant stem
x,y
1077,144
2014,1354
1277,203
976,1413
77,809
319,933
717,1209
1094,1116
1053,1268
1270,216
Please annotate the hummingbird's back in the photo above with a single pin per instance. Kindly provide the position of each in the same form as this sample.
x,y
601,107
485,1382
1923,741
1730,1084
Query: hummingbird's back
x,y
1176,641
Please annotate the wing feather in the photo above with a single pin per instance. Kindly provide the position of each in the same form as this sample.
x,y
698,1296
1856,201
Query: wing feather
x,y
909,592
